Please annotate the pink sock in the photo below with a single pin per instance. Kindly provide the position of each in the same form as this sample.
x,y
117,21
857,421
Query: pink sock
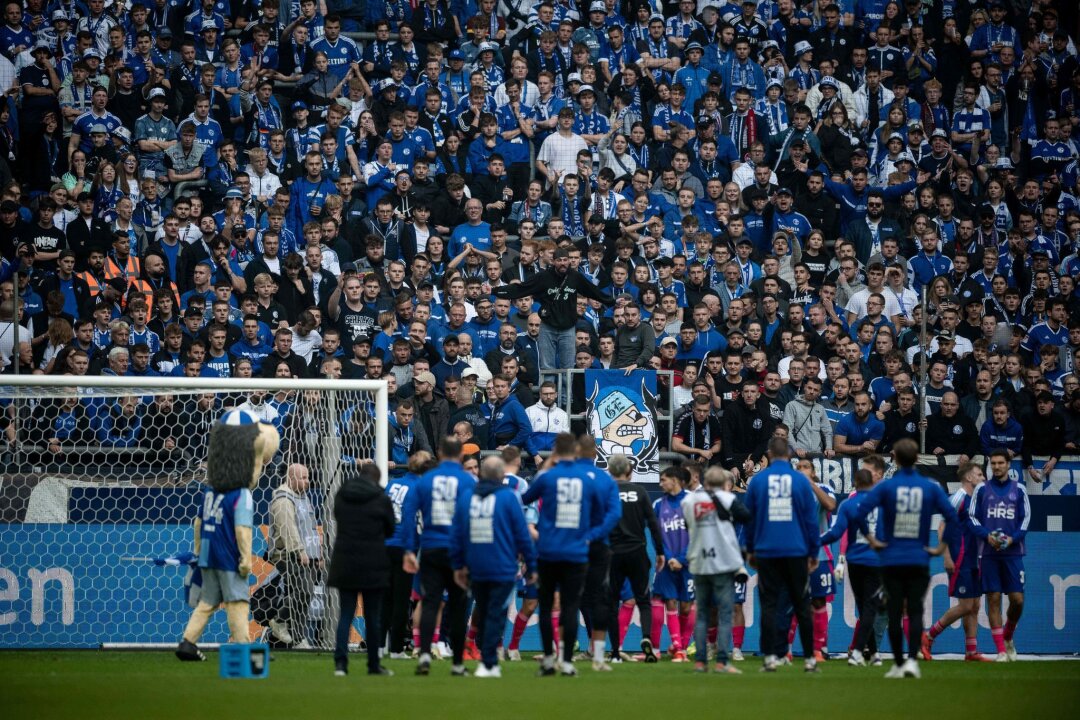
x,y
1010,628
907,625
626,612
714,632
657,610
851,645
738,634
416,637
470,634
791,631
520,623
435,637
555,629
999,638
686,624
820,618
671,617
936,630
971,646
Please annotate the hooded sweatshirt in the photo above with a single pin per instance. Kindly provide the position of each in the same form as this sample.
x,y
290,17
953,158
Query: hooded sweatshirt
x,y
808,423
490,533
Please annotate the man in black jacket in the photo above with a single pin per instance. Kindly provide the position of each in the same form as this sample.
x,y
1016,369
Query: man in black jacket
x,y
629,557
556,289
747,428
951,432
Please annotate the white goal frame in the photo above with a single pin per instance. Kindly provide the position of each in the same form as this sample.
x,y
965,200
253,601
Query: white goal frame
x,y
164,384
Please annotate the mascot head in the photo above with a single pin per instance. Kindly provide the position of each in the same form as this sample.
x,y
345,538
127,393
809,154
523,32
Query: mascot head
x,y
240,446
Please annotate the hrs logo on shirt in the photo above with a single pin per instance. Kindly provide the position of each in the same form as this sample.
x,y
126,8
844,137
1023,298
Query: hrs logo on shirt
x,y
1001,511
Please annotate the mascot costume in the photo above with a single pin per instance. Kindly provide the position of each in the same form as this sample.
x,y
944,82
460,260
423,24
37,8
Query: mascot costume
x,y
240,447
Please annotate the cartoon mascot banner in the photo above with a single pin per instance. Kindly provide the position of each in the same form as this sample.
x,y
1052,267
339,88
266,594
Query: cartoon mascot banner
x,y
621,412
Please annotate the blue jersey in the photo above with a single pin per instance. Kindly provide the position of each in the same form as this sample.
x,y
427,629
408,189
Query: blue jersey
x,y
434,496
1003,507
859,551
221,514
962,540
908,501
668,510
490,533
784,510
856,433
397,489
340,55
824,520
566,497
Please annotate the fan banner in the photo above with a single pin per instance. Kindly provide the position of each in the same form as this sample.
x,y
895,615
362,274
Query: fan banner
x,y
621,412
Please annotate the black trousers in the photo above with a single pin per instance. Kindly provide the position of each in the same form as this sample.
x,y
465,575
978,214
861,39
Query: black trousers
x,y
595,599
905,583
865,583
777,576
436,577
568,579
373,600
632,566
395,609
300,581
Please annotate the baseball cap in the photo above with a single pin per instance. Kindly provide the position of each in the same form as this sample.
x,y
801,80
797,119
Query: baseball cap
x,y
9,206
165,33
239,227
597,7
715,78
938,132
784,191
573,77
98,129
91,53
895,136
234,193
43,45
59,15
424,377
668,341
469,372
488,47
123,133
773,82
829,82
299,105
84,197
585,89
156,93
455,55
946,335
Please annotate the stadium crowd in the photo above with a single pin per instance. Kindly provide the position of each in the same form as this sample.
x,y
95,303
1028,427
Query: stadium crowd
x,y
753,196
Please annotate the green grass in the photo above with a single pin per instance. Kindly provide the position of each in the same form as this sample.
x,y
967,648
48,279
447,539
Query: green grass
x,y
154,685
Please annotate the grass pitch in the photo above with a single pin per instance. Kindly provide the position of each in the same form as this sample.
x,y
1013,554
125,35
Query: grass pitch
x,y
154,685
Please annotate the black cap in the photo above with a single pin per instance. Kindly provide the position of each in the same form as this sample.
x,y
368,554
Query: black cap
x,y
735,331
744,241
9,206
84,196
117,284
664,262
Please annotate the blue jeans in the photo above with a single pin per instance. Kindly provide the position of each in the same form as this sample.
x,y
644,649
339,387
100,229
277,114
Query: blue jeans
x,y
714,591
556,348
492,600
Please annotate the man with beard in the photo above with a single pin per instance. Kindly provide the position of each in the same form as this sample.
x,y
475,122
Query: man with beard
x,y
556,289
859,432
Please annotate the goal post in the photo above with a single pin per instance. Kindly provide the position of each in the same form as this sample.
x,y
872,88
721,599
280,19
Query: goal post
x,y
102,478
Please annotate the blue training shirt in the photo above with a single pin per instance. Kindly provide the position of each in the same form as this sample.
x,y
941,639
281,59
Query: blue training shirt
x,y
221,514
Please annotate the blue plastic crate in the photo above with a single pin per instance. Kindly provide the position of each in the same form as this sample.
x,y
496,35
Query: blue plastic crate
x,y
242,660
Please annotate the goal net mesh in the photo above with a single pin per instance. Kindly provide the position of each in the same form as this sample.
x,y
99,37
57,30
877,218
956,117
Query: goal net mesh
x,y
100,488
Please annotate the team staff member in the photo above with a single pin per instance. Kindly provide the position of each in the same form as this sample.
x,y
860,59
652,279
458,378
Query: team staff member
x,y
782,542
907,502
629,554
488,536
567,497
435,496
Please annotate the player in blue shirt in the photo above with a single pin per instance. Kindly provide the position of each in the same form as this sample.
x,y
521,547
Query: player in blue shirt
x,y
223,529
673,587
962,564
1000,513
907,502
821,579
567,497
395,608
489,535
861,564
782,542
435,497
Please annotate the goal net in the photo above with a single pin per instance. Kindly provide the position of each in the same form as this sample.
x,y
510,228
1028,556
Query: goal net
x,y
102,481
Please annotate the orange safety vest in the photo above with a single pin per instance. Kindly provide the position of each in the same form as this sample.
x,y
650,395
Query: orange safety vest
x,y
131,272
92,282
147,290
